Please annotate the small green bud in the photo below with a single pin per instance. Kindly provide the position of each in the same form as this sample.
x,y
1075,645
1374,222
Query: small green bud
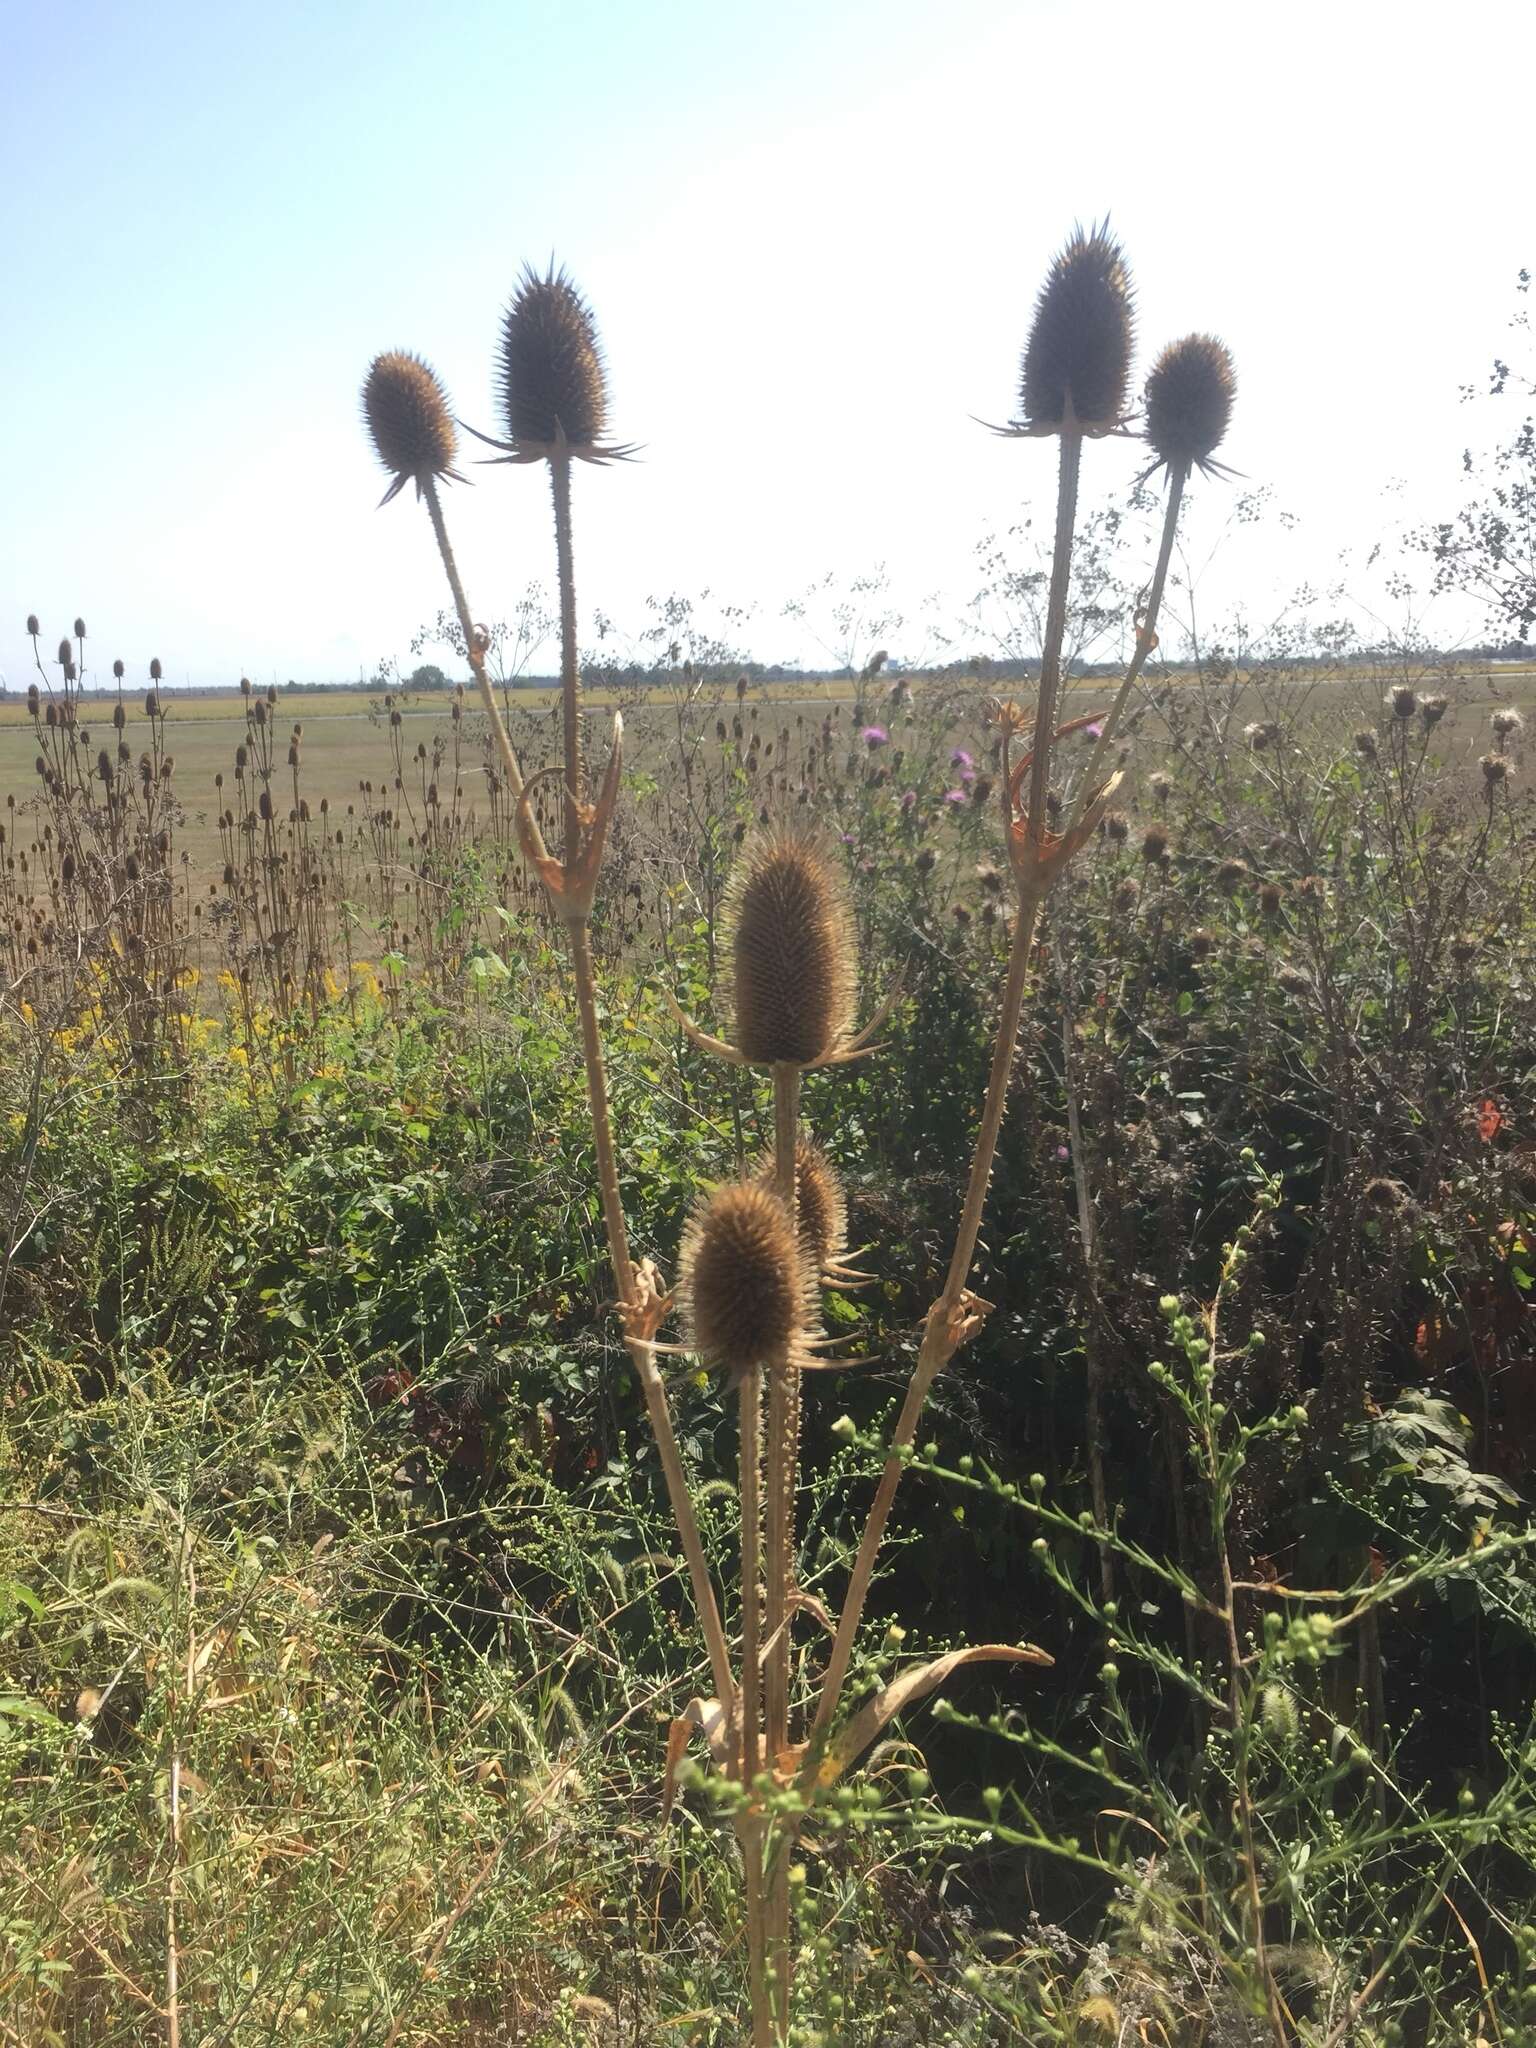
x,y
843,1429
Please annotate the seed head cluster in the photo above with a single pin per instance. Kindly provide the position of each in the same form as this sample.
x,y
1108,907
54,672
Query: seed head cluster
x,y
821,1207
791,939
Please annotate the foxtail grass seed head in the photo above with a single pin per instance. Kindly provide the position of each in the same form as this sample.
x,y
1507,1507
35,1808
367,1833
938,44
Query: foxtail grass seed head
x,y
1077,361
792,945
1189,401
741,1279
551,372
406,412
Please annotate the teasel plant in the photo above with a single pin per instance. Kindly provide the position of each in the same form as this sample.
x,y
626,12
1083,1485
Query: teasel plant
x,y
758,1249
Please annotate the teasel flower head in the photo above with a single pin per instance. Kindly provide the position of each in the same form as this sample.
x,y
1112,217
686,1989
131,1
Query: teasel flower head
x,y
552,377
821,1207
742,1280
792,945
1189,403
406,412
1076,371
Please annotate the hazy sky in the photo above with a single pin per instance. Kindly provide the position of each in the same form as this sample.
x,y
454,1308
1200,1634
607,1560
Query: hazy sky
x,y
812,233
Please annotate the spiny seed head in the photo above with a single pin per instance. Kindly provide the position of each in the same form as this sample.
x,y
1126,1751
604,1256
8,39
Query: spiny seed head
x,y
551,371
406,412
1495,768
821,1208
741,1279
1505,722
1432,710
1077,361
1189,401
1402,701
792,944
33,627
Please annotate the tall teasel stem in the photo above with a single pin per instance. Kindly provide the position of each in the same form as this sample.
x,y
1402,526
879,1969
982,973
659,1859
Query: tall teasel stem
x,y
502,739
783,1440
1068,471
1146,640
570,674
1074,380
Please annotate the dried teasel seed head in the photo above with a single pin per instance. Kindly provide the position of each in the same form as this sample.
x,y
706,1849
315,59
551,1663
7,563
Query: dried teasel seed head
x,y
33,628
118,670
821,1207
742,1283
1077,361
1154,843
66,654
1401,701
79,629
792,946
1189,401
551,372
1231,875
155,670
1127,894
1271,897
1116,826
1432,710
405,410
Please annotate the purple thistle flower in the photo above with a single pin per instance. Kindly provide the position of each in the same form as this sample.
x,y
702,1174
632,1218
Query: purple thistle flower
x,y
954,796
908,799
1062,1152
1094,732
874,736
961,759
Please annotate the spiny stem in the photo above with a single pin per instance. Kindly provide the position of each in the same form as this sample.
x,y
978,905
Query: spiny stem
x,y
642,1353
570,677
783,1437
945,1329
1146,640
751,1394
476,652
1055,628
940,1337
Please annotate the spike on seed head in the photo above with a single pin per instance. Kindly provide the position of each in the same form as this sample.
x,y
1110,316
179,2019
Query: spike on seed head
x,y
1189,401
742,1283
405,409
1077,361
792,944
551,371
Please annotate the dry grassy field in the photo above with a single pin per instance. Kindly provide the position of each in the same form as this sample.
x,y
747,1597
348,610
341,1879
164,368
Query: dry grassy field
x,y
346,733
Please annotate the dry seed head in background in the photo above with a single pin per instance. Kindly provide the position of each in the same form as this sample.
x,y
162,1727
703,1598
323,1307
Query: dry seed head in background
x,y
1189,401
1078,356
791,938
742,1283
406,412
821,1207
551,372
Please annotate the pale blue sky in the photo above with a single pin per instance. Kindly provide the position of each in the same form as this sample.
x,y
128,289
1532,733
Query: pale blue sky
x,y
812,234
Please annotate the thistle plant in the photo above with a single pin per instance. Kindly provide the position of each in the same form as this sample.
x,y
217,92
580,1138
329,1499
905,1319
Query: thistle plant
x,y
759,1248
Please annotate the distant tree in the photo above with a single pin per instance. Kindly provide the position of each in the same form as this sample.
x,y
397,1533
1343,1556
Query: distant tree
x,y
428,677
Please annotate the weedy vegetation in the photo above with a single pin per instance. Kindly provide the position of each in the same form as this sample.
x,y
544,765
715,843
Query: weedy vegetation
x,y
868,1382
